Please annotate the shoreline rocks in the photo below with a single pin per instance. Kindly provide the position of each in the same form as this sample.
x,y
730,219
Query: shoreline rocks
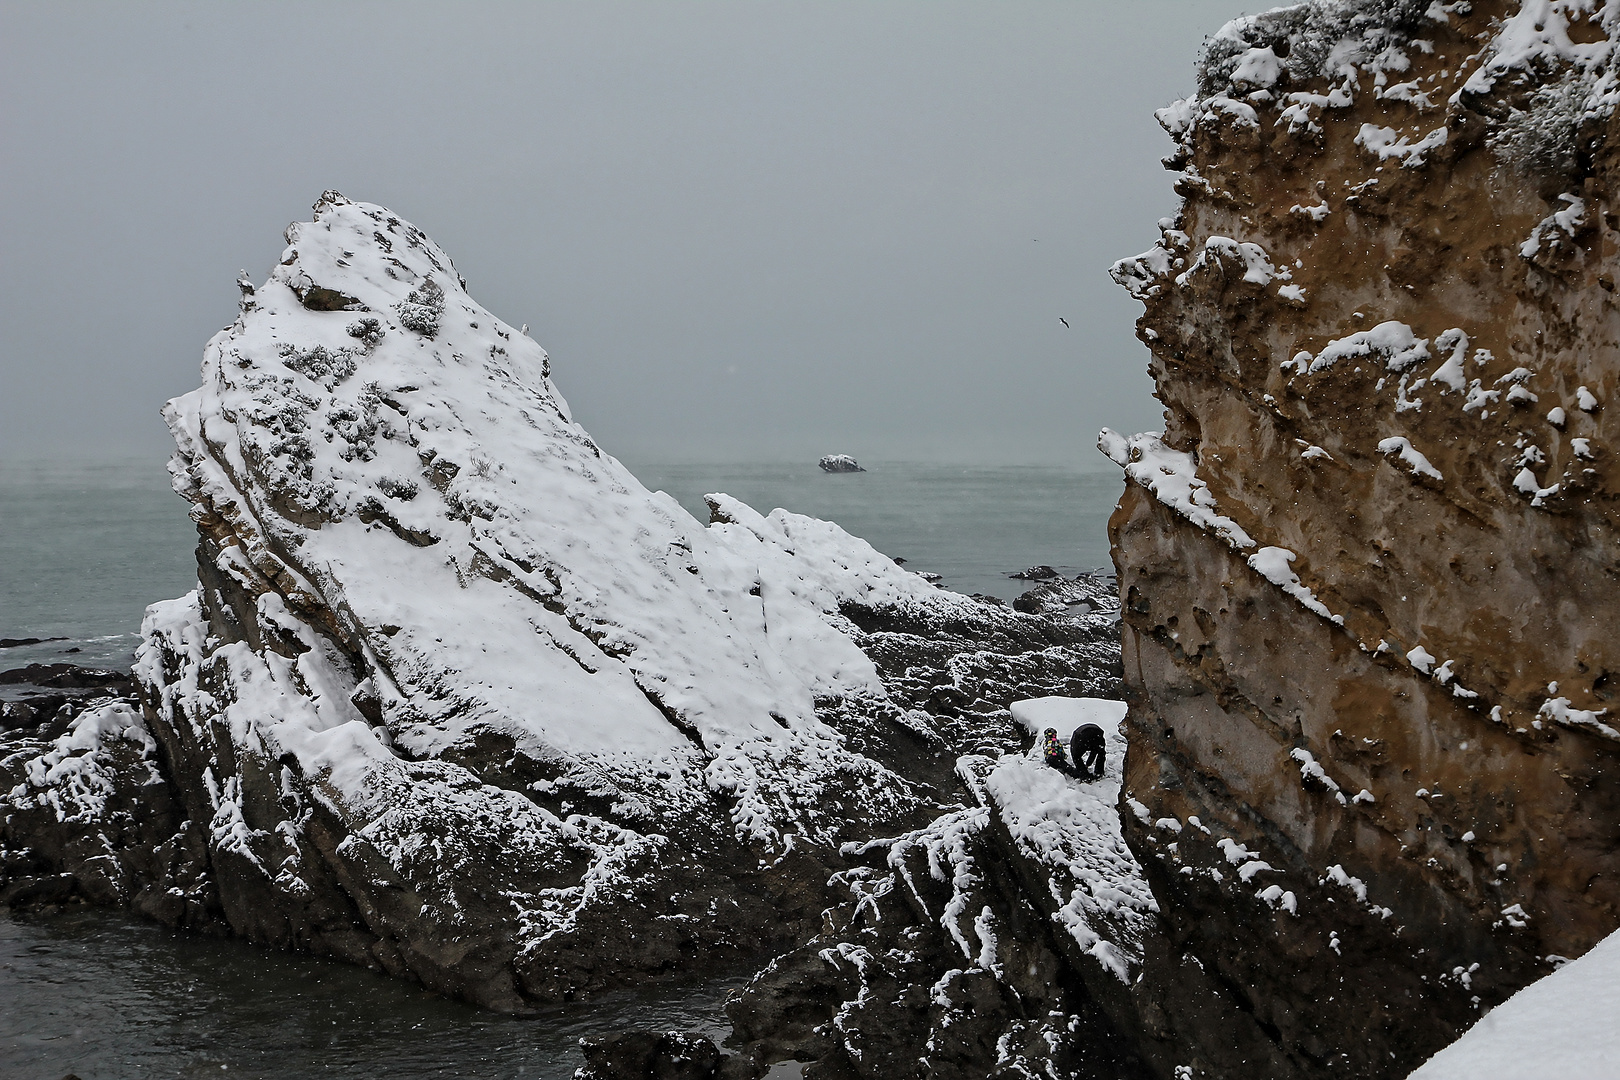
x,y
46,692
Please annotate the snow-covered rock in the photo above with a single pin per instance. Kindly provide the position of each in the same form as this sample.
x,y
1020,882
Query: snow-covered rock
x,y
1561,1025
1067,833
457,697
956,938
839,463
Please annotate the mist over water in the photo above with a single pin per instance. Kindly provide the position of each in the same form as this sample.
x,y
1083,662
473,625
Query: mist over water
x,y
83,550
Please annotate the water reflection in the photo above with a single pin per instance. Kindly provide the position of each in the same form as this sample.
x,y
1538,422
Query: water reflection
x,y
106,997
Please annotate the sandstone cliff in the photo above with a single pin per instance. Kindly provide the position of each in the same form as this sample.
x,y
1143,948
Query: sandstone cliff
x,y
1369,568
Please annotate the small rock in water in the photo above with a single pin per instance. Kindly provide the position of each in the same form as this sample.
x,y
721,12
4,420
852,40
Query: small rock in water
x,y
17,642
839,463
1036,573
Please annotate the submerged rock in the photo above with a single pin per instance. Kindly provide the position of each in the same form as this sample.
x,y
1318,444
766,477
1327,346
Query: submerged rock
x,y
458,698
839,463
13,643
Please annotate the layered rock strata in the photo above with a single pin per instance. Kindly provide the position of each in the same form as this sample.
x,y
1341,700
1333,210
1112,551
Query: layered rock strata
x,y
457,698
1369,568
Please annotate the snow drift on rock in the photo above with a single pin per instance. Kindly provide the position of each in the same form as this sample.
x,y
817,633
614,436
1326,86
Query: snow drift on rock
x,y
1562,1025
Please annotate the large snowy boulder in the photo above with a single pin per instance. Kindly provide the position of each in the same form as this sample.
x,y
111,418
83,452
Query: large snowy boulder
x,y
456,697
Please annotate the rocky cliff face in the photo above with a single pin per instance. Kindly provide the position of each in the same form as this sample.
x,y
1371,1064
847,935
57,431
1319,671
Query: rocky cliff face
x,y
457,698
1369,568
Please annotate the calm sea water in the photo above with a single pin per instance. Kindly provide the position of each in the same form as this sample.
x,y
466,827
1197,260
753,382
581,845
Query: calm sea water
x,y
107,997
84,549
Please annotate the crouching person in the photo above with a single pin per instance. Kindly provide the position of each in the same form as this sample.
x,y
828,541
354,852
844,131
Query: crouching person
x,y
1089,749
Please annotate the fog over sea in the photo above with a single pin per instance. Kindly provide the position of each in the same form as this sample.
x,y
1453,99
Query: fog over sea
x,y
84,549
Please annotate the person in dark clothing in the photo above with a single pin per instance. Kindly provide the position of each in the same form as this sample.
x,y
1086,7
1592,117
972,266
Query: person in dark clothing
x,y
1089,750
1052,747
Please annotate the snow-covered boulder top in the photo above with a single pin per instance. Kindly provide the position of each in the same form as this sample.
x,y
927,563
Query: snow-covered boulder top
x,y
387,464
1067,832
839,463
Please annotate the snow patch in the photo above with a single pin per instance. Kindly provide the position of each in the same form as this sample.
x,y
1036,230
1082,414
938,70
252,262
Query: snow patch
x,y
1388,143
1272,563
1409,455
1171,476
1392,341
1561,1025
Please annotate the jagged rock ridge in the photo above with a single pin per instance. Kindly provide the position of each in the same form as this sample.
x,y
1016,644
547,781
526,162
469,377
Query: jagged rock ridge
x,y
1368,568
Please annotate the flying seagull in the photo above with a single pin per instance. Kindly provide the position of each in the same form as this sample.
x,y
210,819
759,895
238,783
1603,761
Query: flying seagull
x,y
1065,323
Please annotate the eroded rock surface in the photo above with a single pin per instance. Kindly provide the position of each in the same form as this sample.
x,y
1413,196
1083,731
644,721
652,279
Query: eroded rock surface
x,y
1369,567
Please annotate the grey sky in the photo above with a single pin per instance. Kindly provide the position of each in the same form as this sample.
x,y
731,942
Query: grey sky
x,y
744,231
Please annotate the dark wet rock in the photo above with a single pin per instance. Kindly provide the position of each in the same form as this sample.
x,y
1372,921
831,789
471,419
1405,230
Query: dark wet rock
x,y
1035,573
56,693
69,677
88,817
13,643
665,1055
1087,594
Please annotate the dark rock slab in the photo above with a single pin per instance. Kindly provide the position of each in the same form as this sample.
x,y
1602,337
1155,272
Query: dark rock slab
x,y
68,677
661,1055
